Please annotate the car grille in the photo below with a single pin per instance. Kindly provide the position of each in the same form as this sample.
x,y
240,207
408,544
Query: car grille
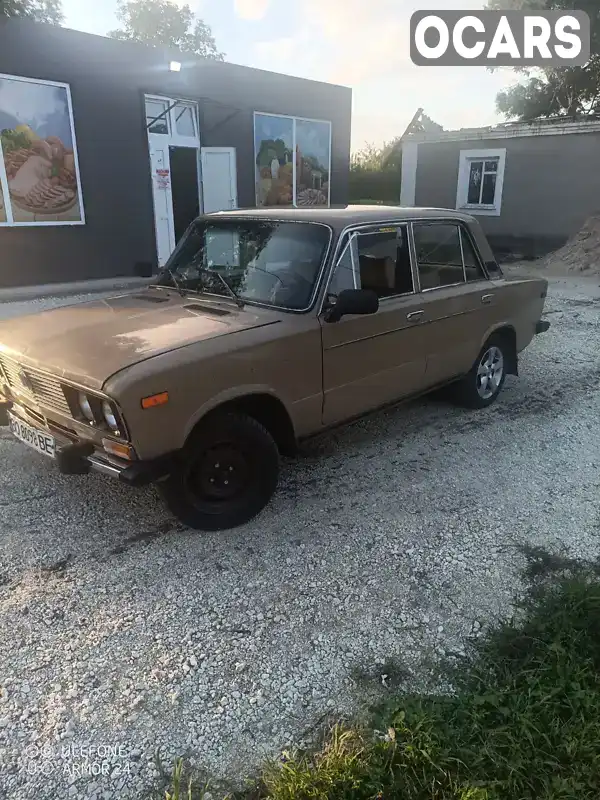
x,y
34,384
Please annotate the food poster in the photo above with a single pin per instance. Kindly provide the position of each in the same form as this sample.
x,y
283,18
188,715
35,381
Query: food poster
x,y
313,159
39,153
2,207
274,147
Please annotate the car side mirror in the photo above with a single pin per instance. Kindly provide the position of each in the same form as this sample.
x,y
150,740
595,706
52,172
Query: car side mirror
x,y
353,301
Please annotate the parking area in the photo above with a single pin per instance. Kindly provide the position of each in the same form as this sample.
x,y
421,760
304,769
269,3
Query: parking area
x,y
389,542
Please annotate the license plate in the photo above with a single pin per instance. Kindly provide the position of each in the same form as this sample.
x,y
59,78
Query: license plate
x,y
40,441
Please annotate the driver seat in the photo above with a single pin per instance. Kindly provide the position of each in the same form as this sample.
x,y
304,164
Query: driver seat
x,y
377,274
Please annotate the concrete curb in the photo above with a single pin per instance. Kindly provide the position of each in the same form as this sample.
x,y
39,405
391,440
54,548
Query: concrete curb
x,y
23,293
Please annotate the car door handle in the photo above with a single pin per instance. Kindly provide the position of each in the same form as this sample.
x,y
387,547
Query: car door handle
x,y
487,298
414,315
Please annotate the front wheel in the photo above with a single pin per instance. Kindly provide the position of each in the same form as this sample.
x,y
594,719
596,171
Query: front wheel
x,y
226,474
483,383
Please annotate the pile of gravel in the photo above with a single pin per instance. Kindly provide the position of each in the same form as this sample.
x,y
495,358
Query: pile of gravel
x,y
581,253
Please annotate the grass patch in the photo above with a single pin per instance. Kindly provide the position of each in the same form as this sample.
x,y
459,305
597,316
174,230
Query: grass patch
x,y
522,721
184,783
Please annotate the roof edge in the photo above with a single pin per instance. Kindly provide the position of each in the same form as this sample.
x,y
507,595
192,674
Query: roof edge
x,y
517,130
167,53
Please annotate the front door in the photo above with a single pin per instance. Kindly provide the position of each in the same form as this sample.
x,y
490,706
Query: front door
x,y
174,144
372,360
219,179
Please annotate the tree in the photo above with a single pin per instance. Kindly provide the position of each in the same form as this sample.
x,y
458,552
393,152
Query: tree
x,y
566,91
375,174
49,11
370,157
162,23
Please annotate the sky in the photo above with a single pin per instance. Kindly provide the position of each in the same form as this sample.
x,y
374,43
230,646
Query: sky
x,y
42,107
363,44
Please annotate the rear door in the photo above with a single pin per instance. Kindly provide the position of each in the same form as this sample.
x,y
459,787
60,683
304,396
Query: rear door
x,y
372,360
458,299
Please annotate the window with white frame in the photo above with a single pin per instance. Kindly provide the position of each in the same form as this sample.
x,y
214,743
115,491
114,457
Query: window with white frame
x,y
480,181
157,116
174,118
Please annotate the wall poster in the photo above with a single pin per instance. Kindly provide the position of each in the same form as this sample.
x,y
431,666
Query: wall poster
x,y
274,148
2,206
292,159
313,159
39,172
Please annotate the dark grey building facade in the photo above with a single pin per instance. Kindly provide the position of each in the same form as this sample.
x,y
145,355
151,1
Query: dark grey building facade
x,y
110,149
531,186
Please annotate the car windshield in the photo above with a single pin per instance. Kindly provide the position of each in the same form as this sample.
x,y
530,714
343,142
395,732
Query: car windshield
x,y
268,262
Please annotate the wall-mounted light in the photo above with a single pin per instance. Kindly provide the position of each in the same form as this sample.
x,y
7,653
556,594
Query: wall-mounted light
x,y
175,66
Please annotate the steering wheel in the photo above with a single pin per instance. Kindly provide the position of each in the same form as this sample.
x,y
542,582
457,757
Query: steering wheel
x,y
274,290
270,274
287,280
296,277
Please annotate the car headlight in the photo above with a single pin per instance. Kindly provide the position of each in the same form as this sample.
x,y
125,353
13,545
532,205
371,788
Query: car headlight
x,y
110,416
85,406
101,412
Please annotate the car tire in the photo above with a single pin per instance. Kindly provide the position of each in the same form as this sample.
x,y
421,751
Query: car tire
x,y
225,475
483,383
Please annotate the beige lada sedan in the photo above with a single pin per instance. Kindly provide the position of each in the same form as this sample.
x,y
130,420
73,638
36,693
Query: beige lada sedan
x,y
264,328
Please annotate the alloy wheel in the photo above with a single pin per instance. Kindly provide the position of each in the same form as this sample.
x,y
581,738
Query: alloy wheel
x,y
490,373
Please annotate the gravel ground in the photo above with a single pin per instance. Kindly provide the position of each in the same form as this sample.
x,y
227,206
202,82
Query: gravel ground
x,y
389,541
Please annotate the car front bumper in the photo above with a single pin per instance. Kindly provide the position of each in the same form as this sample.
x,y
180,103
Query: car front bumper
x,y
82,457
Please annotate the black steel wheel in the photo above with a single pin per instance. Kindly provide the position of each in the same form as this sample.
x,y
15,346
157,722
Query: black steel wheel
x,y
226,475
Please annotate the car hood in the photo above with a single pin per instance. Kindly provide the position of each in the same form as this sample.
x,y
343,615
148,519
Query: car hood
x,y
88,342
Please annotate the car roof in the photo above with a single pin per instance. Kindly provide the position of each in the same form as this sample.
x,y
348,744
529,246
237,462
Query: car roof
x,y
341,216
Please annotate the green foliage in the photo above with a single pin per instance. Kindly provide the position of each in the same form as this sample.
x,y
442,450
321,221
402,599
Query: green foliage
x,y
372,157
183,783
565,91
184,786
375,174
49,11
270,149
374,186
522,721
13,140
163,23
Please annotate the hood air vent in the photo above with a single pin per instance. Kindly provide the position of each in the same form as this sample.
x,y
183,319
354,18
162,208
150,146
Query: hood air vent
x,y
149,298
217,312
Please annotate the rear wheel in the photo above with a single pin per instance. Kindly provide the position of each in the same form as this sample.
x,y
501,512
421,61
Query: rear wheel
x,y
484,381
226,475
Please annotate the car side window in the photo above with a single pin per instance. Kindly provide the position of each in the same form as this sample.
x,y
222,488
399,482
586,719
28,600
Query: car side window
x,y
384,262
473,269
343,273
439,254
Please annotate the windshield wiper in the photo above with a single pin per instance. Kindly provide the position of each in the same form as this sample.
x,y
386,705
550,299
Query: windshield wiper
x,y
176,283
178,286
232,293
